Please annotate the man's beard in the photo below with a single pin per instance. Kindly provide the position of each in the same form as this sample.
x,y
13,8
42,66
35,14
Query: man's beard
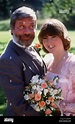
x,y
24,40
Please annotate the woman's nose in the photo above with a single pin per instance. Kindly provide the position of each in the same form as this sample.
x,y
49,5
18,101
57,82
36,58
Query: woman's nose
x,y
49,40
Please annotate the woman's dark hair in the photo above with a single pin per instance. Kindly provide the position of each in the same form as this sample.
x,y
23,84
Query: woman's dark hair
x,y
54,27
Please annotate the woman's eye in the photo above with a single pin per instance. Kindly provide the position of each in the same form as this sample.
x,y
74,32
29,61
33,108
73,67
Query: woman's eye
x,y
45,37
54,36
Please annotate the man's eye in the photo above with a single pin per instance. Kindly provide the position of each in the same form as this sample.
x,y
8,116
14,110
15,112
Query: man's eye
x,y
21,27
32,26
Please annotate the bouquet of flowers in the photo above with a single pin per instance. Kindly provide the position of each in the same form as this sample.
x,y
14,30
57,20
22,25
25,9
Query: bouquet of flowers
x,y
43,95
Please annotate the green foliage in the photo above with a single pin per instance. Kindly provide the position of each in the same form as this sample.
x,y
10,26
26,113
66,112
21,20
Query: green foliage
x,y
3,110
2,97
72,50
60,9
7,6
5,38
2,102
4,25
63,10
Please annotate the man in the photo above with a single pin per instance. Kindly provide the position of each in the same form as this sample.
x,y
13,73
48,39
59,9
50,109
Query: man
x,y
19,62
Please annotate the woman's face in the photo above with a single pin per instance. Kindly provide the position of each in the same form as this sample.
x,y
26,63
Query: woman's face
x,y
53,44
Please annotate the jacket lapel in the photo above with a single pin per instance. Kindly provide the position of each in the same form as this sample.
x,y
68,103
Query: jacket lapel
x,y
26,58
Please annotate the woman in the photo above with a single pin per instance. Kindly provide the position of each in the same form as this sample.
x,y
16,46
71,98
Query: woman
x,y
60,62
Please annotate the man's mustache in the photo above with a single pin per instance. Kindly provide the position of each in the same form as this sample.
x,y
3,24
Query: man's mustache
x,y
26,35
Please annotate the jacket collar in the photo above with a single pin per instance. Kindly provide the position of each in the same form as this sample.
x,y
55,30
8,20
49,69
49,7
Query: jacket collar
x,y
26,58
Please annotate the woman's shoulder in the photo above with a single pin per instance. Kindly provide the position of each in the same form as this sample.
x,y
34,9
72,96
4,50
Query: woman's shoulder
x,y
71,57
71,61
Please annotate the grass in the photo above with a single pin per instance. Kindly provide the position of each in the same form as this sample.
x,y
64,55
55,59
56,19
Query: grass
x,y
4,39
2,103
4,25
5,36
3,109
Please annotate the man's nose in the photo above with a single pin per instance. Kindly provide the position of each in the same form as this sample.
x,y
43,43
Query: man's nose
x,y
26,30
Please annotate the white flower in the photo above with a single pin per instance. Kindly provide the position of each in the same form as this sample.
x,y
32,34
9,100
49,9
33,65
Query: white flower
x,y
36,107
47,102
39,92
39,88
41,81
26,97
35,79
34,87
45,91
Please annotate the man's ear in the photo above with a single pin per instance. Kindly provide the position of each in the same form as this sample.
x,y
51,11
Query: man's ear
x,y
11,31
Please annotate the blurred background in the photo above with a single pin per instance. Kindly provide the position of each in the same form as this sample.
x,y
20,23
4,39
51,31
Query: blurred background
x,y
64,10
60,9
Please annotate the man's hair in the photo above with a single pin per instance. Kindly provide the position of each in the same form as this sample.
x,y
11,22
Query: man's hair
x,y
22,12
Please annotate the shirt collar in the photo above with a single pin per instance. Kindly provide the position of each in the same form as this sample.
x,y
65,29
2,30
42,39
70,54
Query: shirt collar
x,y
24,47
18,44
